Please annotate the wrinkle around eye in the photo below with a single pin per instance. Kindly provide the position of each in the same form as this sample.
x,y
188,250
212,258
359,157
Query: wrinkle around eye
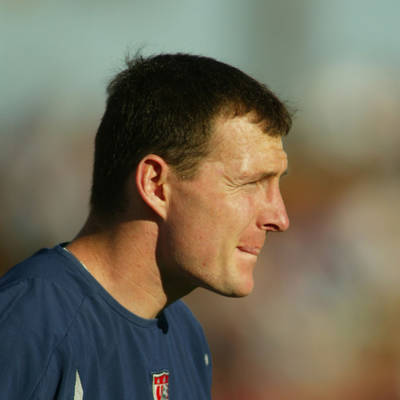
x,y
230,185
253,185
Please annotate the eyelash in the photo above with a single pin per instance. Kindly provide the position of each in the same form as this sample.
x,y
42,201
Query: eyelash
x,y
262,180
252,183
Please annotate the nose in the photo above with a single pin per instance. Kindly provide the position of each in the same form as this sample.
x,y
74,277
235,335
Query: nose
x,y
273,215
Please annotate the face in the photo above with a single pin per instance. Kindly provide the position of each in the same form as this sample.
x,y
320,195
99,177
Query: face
x,y
218,221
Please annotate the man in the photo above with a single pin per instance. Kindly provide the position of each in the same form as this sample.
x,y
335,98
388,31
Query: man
x,y
188,158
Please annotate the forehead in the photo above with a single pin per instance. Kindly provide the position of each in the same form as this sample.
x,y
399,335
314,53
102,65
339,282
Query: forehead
x,y
243,145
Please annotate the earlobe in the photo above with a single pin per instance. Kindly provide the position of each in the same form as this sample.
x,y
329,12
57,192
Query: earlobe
x,y
151,182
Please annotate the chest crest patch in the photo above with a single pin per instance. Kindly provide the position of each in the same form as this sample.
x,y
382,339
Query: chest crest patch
x,y
160,386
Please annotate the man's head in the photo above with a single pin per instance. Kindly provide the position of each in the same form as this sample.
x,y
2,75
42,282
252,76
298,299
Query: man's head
x,y
167,105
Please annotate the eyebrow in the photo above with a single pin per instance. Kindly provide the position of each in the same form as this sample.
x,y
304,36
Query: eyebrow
x,y
264,176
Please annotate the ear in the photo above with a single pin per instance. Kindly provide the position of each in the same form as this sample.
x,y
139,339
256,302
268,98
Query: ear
x,y
151,182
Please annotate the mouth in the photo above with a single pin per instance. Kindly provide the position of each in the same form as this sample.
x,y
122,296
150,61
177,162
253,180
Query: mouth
x,y
255,251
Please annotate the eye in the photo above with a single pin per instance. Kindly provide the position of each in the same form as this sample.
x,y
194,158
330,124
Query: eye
x,y
253,183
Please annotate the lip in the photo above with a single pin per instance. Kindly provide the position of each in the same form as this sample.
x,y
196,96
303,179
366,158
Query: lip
x,y
255,251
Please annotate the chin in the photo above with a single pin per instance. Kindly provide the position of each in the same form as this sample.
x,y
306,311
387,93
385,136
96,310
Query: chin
x,y
242,293
235,291
243,286
235,280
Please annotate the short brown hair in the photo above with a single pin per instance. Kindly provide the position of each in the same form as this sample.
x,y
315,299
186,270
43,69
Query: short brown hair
x,y
165,105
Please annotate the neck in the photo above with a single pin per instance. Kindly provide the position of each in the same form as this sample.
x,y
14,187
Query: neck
x,y
122,258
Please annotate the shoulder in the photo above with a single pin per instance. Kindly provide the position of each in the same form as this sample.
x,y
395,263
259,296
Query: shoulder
x,y
39,298
41,286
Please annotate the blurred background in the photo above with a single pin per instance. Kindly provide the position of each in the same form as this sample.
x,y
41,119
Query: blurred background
x,y
324,319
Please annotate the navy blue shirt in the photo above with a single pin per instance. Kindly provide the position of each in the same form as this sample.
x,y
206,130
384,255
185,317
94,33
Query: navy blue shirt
x,y
62,336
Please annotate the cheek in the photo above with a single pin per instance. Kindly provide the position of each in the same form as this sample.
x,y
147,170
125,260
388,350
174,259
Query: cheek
x,y
202,223
190,226
244,209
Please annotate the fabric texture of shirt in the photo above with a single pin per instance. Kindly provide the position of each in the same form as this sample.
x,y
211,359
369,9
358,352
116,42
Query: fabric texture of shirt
x,y
62,336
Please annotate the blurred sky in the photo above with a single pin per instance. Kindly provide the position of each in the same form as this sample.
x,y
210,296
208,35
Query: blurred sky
x,y
57,56
323,291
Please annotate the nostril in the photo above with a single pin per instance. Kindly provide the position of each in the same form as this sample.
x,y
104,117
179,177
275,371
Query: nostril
x,y
271,227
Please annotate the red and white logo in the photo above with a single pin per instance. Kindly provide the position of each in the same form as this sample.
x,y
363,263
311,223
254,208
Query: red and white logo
x,y
160,386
